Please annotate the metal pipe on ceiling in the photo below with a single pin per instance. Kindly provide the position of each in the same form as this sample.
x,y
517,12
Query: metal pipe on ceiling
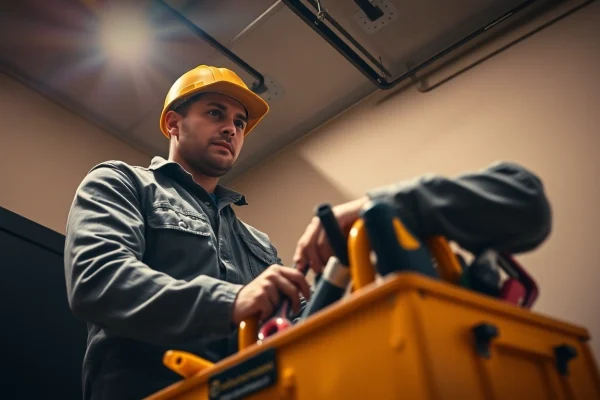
x,y
257,87
381,80
323,12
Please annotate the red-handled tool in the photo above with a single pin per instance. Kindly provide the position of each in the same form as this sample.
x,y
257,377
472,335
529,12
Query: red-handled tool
x,y
280,317
513,292
483,275
520,287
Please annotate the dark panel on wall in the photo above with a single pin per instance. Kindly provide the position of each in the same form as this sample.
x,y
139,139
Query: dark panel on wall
x,y
42,342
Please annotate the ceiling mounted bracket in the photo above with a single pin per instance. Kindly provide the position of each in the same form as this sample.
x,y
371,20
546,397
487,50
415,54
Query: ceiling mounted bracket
x,y
380,80
323,15
388,16
258,87
372,11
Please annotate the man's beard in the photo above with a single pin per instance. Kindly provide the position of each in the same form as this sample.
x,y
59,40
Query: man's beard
x,y
209,168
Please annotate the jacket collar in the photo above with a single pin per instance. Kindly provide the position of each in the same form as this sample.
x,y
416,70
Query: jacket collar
x,y
175,170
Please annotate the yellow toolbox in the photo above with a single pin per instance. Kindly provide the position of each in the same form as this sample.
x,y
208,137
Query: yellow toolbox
x,y
409,337
404,336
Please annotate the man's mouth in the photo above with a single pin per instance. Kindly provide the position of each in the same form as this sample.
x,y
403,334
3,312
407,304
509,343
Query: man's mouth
x,y
224,144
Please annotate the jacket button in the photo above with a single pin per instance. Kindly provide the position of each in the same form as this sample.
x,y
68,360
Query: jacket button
x,y
183,225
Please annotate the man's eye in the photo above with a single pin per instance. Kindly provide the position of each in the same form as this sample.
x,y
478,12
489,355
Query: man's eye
x,y
240,124
215,113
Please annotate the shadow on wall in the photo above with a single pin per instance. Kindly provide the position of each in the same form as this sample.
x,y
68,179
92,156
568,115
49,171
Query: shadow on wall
x,y
283,214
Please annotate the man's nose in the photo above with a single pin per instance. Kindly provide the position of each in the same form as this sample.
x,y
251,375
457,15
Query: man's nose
x,y
228,127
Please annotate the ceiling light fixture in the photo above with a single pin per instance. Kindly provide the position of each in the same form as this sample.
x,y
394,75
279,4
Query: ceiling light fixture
x,y
125,35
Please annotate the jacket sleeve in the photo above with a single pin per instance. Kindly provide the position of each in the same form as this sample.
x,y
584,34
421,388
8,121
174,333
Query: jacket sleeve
x,y
503,207
109,285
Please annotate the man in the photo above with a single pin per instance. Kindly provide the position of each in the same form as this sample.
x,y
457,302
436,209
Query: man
x,y
156,259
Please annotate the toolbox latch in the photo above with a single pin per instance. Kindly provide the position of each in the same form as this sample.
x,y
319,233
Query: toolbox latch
x,y
484,334
564,354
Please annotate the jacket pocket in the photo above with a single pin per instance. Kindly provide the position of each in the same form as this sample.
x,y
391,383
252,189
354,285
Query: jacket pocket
x,y
180,242
166,216
259,257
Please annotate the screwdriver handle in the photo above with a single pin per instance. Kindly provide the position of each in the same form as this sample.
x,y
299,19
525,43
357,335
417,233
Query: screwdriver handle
x,y
334,233
331,286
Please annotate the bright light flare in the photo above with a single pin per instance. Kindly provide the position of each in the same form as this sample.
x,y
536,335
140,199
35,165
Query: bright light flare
x,y
125,35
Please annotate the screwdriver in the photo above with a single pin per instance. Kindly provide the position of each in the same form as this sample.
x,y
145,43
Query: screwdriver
x,y
336,275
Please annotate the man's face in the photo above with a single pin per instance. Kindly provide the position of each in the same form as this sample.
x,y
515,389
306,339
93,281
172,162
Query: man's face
x,y
210,136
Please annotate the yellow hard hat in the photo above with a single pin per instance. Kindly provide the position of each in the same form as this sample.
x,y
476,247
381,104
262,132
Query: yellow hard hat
x,y
205,78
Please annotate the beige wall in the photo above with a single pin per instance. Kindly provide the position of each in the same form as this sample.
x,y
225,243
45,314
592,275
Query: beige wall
x,y
45,151
537,103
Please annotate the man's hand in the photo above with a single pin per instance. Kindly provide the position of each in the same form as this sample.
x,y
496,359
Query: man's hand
x,y
313,247
262,296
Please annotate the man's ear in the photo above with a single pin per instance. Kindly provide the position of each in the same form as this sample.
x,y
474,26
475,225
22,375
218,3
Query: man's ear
x,y
172,122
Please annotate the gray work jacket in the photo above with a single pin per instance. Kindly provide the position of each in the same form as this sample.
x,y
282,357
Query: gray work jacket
x,y
152,264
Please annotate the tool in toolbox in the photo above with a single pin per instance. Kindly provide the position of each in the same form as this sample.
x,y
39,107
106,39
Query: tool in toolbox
x,y
483,274
518,273
280,319
184,363
336,275
449,264
329,288
397,249
520,288
394,245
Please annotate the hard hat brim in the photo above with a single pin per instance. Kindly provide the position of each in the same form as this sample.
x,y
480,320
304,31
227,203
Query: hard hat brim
x,y
257,108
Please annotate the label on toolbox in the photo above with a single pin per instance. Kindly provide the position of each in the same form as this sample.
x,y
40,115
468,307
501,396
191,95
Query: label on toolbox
x,y
245,378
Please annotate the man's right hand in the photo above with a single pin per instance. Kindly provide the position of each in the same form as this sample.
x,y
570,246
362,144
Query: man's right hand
x,y
313,248
262,296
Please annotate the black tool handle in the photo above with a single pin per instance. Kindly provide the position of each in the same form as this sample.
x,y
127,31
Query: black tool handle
x,y
334,233
326,293
379,224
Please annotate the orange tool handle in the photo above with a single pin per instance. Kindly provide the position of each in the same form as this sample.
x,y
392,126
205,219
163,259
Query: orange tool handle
x,y
448,265
248,333
184,363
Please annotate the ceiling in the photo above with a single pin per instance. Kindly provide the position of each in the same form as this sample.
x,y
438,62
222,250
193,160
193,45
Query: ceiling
x,y
53,47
